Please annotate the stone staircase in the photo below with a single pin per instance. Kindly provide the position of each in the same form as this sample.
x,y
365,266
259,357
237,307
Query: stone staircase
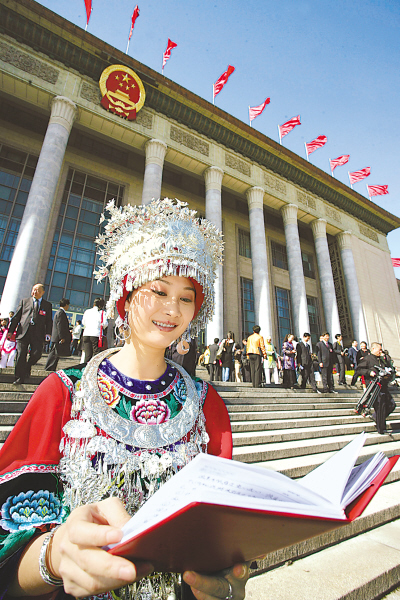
x,y
293,432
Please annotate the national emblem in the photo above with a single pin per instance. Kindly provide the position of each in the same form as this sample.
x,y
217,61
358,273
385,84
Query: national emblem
x,y
122,90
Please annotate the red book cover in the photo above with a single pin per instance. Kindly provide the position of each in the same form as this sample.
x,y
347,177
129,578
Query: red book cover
x,y
209,537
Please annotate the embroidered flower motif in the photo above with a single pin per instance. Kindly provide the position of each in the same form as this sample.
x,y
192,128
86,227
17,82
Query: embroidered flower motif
x,y
108,392
31,509
150,412
180,391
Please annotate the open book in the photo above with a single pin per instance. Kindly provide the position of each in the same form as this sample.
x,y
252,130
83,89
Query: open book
x,y
217,512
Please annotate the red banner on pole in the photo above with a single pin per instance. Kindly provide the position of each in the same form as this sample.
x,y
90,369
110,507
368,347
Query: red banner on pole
x,y
255,111
167,53
377,190
315,144
134,17
288,126
219,84
396,262
339,161
359,175
88,5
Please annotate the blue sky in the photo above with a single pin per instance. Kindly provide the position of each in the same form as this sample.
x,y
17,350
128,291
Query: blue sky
x,y
334,63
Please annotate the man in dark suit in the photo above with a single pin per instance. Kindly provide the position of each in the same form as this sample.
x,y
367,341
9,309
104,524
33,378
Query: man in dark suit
x,y
33,322
326,359
305,363
215,369
340,360
60,336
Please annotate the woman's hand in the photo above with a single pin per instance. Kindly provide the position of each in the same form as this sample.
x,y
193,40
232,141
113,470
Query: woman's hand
x,y
216,587
77,554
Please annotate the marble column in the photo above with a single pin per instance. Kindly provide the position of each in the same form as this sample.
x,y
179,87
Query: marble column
x,y
32,233
155,154
353,291
326,277
301,323
259,260
213,180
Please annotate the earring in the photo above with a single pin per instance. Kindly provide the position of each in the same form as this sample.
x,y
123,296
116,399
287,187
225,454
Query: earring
x,y
122,328
183,346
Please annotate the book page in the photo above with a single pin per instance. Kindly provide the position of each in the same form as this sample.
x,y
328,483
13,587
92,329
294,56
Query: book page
x,y
330,479
362,476
216,480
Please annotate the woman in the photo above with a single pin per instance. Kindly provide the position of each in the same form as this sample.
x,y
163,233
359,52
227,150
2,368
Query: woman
x,y
94,323
228,348
8,346
119,426
363,351
206,359
289,364
270,364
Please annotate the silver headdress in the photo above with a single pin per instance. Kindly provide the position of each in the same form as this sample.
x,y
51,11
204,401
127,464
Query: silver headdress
x,y
142,243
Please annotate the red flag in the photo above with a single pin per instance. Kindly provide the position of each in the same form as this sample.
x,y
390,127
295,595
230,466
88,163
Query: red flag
x,y
255,111
315,144
88,4
288,126
167,53
396,262
377,190
339,161
219,84
358,175
134,17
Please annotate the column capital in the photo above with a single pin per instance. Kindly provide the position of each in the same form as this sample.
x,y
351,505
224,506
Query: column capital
x,y
255,197
289,214
318,227
344,239
213,178
155,152
63,112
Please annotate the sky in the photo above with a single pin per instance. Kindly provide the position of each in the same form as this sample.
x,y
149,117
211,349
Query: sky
x,y
336,64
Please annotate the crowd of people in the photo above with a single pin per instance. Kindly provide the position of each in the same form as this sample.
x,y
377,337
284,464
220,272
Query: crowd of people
x,y
257,360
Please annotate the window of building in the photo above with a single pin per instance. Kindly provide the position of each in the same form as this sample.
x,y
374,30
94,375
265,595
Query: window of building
x,y
244,243
279,255
247,305
283,311
73,255
314,319
16,173
308,265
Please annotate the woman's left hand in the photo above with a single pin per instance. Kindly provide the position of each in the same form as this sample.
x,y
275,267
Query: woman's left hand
x,y
216,587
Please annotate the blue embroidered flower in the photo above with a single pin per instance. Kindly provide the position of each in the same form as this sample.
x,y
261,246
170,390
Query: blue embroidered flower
x,y
31,509
180,391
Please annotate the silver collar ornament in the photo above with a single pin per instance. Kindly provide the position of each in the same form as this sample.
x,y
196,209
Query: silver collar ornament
x,y
131,461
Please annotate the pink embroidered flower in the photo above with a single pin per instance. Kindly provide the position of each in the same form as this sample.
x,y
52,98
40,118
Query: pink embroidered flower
x,y
150,412
108,392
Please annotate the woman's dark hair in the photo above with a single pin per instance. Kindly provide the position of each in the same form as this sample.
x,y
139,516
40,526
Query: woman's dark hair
x,y
231,335
99,303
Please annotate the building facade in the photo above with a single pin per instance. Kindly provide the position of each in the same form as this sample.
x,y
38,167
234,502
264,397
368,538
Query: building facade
x,y
302,250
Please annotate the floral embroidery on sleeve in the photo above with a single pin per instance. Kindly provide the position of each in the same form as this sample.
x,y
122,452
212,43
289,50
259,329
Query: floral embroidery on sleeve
x,y
31,509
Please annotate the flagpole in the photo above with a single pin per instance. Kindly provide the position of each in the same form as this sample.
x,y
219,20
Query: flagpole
x,y
366,185
249,117
213,96
279,133
305,146
331,167
351,185
127,47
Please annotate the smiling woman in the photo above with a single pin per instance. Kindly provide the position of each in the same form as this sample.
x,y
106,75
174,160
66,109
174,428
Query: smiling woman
x,y
111,432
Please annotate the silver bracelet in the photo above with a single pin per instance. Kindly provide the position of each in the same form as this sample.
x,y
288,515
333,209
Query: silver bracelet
x,y
43,568
229,595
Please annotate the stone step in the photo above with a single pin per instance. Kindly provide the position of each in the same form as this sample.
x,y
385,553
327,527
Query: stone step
x,y
314,431
9,418
312,420
298,466
15,406
289,406
280,450
360,568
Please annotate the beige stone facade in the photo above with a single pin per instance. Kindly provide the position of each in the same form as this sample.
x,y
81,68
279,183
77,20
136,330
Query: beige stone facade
x,y
105,146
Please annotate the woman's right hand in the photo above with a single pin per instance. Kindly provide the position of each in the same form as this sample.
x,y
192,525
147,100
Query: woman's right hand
x,y
77,556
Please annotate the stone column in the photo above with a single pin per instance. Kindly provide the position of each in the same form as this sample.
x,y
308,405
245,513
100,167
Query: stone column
x,y
259,260
353,291
155,154
326,277
25,261
213,180
298,295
